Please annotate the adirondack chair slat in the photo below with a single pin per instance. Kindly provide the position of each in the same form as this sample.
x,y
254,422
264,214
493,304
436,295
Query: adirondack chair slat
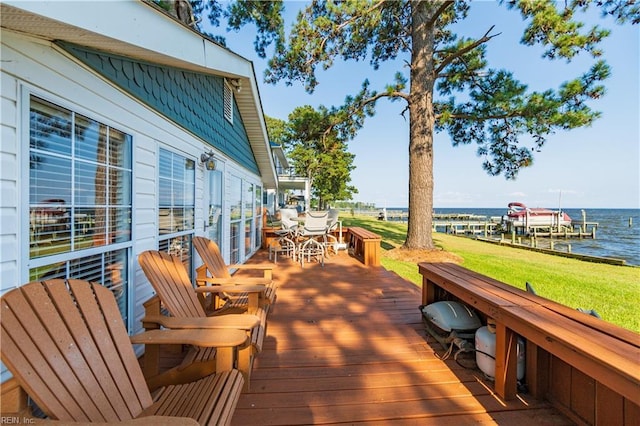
x,y
228,405
180,400
176,399
19,351
167,271
85,318
135,377
216,386
66,344
211,256
95,341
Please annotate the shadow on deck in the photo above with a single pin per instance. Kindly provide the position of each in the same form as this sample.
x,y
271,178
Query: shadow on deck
x,y
345,345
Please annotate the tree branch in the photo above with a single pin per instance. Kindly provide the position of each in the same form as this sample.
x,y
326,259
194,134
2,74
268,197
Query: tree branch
x,y
362,103
485,38
443,6
349,21
393,94
476,117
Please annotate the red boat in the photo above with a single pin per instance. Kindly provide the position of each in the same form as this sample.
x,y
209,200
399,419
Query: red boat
x,y
520,215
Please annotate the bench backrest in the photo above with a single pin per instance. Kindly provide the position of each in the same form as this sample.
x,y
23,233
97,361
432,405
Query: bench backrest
x,y
169,278
66,344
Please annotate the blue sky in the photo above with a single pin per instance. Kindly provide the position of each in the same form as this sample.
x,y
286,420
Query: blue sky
x,y
596,167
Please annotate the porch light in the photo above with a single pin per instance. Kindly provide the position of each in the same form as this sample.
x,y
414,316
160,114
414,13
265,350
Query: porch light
x,y
208,160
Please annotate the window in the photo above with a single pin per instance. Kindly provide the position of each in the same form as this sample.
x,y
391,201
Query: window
x,y
259,217
80,208
235,204
213,225
248,216
176,194
228,102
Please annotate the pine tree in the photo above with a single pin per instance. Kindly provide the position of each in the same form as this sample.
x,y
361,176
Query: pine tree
x,y
447,84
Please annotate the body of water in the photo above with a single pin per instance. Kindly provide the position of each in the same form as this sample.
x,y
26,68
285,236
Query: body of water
x,y
614,237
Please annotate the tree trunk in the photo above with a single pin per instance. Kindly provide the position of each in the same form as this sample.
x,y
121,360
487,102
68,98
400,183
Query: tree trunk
x,y
421,123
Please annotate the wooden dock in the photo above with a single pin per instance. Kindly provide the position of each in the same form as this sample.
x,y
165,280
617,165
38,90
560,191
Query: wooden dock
x,y
469,224
345,345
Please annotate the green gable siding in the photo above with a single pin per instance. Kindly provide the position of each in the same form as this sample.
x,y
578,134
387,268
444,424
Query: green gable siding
x,y
192,100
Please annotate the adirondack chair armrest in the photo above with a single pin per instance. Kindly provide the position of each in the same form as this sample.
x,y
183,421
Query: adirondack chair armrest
x,y
223,322
197,337
251,266
267,269
234,281
231,289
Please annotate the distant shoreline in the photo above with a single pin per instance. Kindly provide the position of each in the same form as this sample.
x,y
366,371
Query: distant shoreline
x,y
617,234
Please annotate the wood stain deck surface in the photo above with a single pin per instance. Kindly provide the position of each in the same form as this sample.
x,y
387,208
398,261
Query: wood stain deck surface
x,y
345,345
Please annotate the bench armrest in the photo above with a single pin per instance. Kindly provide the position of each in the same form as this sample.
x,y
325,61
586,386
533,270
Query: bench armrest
x,y
223,322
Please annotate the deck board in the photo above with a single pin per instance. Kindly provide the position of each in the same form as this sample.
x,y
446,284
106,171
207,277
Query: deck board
x,y
345,345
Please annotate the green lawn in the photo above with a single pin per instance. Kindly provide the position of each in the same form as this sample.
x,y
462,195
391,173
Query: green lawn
x,y
613,291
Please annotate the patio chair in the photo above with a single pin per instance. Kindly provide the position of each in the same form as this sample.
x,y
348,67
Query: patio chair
x,y
169,278
332,225
65,343
286,237
313,237
286,217
217,273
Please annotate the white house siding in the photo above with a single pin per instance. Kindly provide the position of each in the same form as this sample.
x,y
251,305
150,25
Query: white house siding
x,y
32,66
9,190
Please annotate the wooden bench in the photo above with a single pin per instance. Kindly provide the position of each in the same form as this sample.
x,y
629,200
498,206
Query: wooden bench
x,y
365,245
584,366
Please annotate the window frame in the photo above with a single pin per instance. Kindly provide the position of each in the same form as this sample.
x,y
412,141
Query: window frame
x,y
74,256
236,253
186,234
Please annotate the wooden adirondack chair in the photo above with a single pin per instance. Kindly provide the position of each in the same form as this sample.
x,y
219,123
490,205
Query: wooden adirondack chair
x,y
216,272
65,343
169,278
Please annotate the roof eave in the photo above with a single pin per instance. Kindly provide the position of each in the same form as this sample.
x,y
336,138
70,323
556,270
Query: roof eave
x,y
142,31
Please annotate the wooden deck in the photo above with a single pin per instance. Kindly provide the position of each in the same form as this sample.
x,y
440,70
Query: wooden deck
x,y
345,345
